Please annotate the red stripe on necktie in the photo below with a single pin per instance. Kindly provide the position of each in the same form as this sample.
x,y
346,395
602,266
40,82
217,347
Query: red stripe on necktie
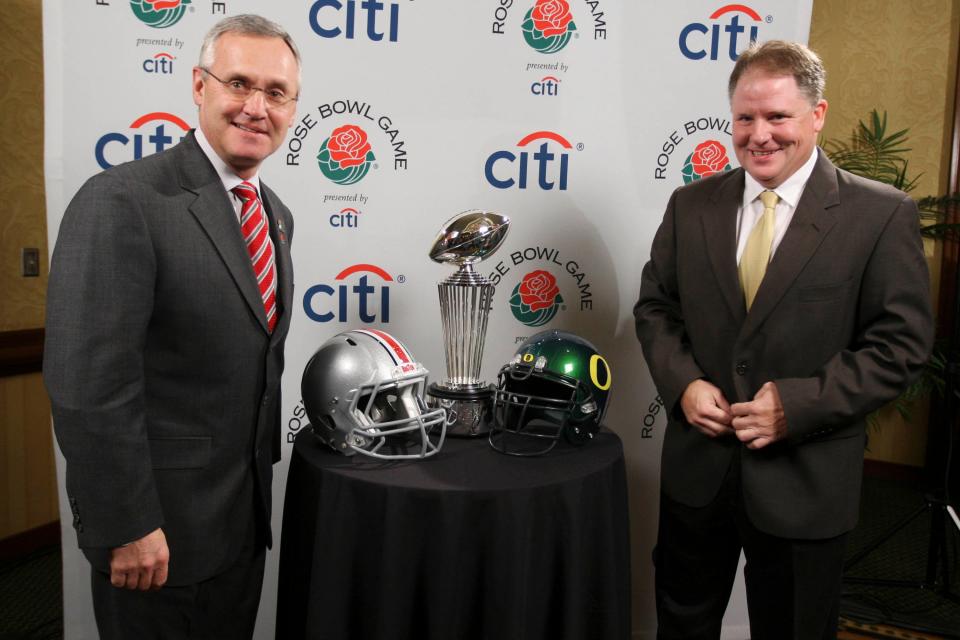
x,y
256,234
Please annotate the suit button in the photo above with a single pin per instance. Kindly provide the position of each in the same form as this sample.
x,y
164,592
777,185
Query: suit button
x,y
742,368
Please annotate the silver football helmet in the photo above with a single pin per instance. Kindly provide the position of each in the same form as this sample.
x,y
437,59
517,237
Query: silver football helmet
x,y
363,393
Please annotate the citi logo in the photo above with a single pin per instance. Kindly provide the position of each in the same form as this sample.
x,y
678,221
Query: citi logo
x,y
698,40
547,86
369,301
150,133
505,169
161,63
348,218
331,18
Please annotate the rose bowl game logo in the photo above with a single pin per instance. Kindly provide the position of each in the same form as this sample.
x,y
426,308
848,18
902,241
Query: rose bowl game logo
x,y
159,14
345,157
548,26
709,157
536,299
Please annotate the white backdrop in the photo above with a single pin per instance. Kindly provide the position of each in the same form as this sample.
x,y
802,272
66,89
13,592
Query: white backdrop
x,y
455,104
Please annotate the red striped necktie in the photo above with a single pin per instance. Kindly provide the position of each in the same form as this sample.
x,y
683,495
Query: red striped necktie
x,y
256,233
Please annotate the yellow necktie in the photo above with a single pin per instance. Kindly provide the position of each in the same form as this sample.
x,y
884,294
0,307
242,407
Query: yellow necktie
x,y
756,255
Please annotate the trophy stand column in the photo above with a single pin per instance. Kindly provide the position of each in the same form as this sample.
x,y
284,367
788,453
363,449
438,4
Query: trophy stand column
x,y
465,297
465,300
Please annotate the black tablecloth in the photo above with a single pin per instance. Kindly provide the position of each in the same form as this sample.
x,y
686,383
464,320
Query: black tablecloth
x,y
468,544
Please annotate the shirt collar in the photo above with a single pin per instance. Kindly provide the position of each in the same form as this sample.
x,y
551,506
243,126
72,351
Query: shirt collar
x,y
227,176
791,189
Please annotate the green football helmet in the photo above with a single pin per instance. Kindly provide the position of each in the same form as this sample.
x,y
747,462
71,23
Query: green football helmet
x,y
556,385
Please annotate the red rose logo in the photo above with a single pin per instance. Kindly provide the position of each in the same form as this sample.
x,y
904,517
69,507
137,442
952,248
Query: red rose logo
x,y
539,290
708,158
348,146
159,5
551,17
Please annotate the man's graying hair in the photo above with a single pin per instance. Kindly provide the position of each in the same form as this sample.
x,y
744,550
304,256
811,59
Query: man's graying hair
x,y
245,24
780,57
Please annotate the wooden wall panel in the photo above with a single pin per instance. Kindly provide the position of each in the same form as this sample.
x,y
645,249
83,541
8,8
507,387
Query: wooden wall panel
x,y
28,488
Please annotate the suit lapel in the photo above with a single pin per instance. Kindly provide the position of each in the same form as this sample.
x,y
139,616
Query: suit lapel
x,y
810,224
216,215
720,238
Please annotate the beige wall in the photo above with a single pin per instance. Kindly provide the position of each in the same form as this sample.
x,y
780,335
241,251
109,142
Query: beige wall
x,y
23,219
894,56
898,57
28,492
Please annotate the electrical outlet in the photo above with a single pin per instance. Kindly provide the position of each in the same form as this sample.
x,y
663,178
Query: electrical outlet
x,y
29,262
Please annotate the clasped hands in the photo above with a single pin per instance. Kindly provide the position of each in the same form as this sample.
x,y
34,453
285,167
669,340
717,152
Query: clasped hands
x,y
756,423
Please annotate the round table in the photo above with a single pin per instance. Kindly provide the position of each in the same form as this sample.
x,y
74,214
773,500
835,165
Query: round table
x,y
468,544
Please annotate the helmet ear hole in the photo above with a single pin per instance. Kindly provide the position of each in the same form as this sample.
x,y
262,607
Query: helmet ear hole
x,y
326,422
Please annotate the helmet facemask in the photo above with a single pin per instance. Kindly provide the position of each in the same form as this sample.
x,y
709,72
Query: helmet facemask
x,y
534,409
393,415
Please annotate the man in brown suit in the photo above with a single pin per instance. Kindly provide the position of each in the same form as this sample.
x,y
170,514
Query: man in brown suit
x,y
772,325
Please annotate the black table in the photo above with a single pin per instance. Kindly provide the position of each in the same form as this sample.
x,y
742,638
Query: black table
x,y
468,544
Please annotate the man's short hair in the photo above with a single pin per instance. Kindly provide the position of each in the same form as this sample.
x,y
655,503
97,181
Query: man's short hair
x,y
780,57
246,24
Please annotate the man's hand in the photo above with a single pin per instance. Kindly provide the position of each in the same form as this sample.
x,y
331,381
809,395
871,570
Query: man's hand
x,y
706,409
142,564
760,422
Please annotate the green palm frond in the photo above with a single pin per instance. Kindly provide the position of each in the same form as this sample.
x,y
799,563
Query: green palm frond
x,y
933,213
873,153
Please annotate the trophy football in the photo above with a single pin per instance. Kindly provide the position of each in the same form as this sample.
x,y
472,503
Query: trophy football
x,y
465,297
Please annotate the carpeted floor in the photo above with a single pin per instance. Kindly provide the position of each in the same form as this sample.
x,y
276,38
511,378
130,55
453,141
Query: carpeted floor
x,y
903,556
30,597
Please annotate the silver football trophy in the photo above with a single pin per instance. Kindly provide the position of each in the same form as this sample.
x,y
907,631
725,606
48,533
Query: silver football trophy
x,y
465,297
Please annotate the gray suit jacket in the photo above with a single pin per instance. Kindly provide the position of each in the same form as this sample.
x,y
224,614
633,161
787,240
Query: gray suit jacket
x,y
164,382
841,323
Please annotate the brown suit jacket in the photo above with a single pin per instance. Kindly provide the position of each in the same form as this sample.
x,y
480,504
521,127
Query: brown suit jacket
x,y
841,323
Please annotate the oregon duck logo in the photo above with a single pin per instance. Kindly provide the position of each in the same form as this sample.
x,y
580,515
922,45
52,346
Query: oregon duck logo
x,y
159,14
548,26
345,157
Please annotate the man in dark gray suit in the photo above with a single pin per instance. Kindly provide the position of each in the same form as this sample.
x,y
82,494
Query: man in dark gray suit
x,y
783,301
169,302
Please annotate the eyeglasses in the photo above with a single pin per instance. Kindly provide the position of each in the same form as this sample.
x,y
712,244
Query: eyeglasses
x,y
240,90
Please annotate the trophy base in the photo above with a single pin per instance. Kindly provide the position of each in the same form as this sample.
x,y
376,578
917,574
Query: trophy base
x,y
469,411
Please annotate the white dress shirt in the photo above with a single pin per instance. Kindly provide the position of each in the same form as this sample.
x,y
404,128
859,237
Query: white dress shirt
x,y
751,208
227,175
